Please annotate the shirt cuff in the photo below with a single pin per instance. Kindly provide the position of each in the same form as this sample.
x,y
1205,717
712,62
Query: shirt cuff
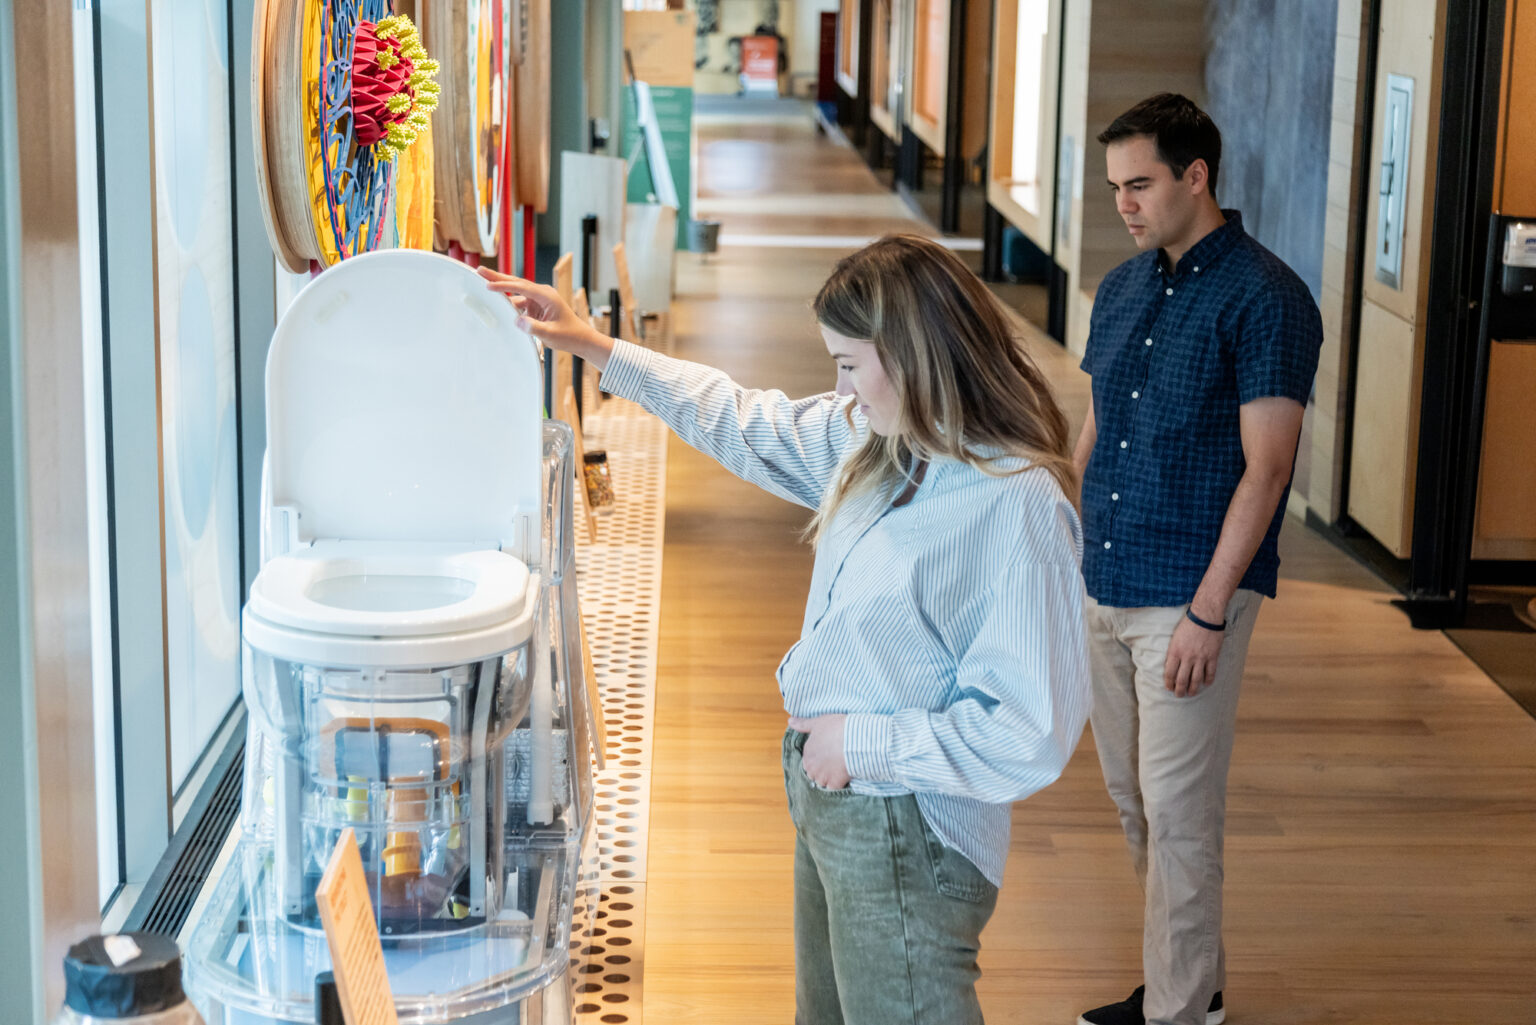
x,y
628,366
867,747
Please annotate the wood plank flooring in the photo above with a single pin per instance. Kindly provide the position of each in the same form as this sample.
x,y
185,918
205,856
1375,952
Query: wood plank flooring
x,y
1381,857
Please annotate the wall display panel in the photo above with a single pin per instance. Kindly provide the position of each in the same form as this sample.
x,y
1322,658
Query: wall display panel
x,y
887,65
1515,189
471,39
1388,386
189,43
531,54
1026,59
930,72
848,28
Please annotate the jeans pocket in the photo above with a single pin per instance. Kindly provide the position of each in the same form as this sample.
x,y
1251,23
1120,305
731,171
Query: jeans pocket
x,y
954,875
844,791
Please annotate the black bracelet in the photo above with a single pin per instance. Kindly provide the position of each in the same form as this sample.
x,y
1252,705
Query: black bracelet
x,y
1202,624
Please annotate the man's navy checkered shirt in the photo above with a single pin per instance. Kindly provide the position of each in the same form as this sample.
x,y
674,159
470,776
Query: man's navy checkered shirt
x,y
1173,356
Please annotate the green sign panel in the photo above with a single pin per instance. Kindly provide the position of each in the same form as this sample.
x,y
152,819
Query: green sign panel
x,y
674,115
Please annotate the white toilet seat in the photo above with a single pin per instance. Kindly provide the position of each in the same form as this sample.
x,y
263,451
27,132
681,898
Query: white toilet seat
x,y
390,604
390,589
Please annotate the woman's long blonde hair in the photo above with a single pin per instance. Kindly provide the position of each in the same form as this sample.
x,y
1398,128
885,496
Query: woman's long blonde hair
x,y
955,361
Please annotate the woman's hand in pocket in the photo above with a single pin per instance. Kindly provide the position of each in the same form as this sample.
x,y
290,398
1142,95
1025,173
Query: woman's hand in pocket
x,y
822,757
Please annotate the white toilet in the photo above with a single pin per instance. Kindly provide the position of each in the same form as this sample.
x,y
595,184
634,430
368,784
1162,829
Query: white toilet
x,y
409,641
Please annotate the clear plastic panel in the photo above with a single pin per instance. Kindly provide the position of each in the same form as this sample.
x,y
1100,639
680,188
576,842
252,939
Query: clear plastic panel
x,y
412,761
469,789
247,963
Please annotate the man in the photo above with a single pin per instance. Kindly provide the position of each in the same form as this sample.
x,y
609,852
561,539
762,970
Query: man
x,y
1202,351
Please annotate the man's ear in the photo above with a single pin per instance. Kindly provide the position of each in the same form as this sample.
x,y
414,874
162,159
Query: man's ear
x,y
1198,176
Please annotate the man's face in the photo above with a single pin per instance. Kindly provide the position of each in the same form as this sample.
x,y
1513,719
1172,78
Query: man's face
x,y
1157,208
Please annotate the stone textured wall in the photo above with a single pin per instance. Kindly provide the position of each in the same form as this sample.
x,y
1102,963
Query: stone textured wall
x,y
1269,80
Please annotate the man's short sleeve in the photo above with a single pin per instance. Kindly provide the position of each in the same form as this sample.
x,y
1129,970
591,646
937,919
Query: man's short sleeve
x,y
1091,348
1279,337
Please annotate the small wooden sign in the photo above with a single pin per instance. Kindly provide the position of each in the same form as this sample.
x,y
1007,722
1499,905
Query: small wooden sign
x,y
352,933
631,315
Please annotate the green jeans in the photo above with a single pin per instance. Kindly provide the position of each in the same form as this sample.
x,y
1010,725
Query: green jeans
x,y
887,919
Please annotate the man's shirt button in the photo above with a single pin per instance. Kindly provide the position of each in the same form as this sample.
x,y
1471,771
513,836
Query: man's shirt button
x,y
1108,545
1135,394
1149,341
1169,291
1125,444
1115,497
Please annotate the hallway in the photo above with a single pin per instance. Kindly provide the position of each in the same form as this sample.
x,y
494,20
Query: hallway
x,y
1382,812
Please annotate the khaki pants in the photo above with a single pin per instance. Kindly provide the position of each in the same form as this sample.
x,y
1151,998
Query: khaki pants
x,y
1165,763
887,919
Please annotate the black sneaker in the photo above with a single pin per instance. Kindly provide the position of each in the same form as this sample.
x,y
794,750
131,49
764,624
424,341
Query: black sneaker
x,y
1128,1011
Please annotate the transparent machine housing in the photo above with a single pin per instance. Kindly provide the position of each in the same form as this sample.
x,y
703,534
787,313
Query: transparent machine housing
x,y
425,693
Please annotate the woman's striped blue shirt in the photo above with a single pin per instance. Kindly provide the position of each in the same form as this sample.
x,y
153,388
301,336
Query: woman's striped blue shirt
x,y
949,629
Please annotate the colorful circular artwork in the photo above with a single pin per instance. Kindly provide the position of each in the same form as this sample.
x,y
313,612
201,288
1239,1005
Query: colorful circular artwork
x,y
342,88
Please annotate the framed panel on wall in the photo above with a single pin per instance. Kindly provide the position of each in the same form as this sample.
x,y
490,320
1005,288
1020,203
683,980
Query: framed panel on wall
x,y
848,29
930,73
1026,60
885,66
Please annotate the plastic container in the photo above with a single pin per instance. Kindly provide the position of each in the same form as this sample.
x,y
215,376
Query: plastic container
x,y
125,979
703,236
596,479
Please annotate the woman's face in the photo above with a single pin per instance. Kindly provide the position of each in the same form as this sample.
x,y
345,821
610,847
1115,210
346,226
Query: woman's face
x,y
860,374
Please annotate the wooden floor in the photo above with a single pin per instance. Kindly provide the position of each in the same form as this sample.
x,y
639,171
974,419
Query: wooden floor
x,y
1381,856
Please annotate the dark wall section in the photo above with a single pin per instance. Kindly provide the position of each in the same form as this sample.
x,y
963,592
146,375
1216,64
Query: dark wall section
x,y
1269,84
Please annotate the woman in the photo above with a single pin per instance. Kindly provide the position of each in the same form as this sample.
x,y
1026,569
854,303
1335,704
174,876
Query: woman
x,y
941,672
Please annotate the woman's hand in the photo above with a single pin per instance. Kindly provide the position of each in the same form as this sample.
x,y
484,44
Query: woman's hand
x,y
822,758
546,316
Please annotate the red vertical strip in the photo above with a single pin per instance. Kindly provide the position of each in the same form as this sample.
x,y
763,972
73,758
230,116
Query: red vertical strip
x,y
530,265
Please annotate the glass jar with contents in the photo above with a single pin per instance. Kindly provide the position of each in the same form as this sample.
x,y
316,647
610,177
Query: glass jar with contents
x,y
594,474
125,979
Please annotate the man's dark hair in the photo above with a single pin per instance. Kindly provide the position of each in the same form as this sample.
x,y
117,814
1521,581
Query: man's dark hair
x,y
1182,132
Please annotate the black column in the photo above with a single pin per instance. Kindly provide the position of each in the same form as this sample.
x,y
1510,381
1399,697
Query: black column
x,y
954,126
1455,338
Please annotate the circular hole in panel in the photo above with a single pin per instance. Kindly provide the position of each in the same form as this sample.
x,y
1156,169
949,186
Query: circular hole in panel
x,y
622,941
588,969
624,858
614,1019
615,998
617,959
593,951
616,979
590,987
621,923
630,775
587,1008
623,889
620,905
624,843
624,873
628,800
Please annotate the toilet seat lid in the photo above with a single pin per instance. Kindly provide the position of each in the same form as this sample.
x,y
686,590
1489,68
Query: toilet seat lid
x,y
403,404
380,589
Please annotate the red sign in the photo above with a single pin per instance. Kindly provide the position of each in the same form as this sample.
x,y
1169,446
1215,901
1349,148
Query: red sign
x,y
760,62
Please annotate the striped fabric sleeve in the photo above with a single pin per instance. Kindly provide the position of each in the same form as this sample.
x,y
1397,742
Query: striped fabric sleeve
x,y
789,447
1024,699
